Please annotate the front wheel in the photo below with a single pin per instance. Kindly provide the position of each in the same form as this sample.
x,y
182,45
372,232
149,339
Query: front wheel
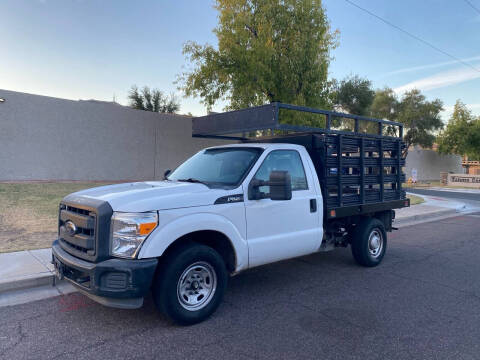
x,y
369,242
190,284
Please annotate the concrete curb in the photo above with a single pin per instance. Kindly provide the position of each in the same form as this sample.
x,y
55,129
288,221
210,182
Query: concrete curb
x,y
25,289
27,295
23,270
428,216
26,282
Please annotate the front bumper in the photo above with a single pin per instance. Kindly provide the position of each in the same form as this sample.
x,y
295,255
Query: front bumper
x,y
114,282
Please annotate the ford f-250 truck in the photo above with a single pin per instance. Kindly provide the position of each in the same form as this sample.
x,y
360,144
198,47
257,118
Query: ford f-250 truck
x,y
279,192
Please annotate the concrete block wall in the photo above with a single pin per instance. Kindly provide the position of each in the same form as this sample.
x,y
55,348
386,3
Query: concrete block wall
x,y
45,138
430,164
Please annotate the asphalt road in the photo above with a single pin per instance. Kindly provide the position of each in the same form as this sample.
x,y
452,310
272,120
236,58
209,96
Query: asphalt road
x,y
458,195
423,302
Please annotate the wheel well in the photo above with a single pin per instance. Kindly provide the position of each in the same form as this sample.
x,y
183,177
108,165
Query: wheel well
x,y
215,239
386,218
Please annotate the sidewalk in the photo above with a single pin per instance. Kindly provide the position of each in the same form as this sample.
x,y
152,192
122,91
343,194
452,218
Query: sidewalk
x,y
27,276
434,208
422,212
25,269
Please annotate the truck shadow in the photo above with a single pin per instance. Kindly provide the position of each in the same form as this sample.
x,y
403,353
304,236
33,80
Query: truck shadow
x,y
250,288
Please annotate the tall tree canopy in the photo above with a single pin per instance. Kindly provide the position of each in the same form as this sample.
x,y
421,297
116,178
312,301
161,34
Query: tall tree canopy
x,y
421,118
385,104
268,50
353,94
462,134
152,100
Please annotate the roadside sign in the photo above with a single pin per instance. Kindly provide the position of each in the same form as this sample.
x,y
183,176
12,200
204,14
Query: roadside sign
x,y
414,175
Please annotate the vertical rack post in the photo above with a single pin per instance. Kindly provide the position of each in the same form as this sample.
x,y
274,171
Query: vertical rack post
x,y
276,116
399,168
276,111
339,170
382,184
362,171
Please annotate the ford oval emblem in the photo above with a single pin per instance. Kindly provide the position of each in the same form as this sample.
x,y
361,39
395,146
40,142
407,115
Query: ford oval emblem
x,y
71,228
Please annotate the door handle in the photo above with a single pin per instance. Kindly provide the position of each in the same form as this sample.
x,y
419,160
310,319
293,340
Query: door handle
x,y
313,205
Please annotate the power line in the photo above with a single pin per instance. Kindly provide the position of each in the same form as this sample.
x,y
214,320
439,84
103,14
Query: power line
x,y
473,6
414,36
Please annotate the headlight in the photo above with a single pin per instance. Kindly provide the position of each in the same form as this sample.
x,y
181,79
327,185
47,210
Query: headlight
x,y
129,230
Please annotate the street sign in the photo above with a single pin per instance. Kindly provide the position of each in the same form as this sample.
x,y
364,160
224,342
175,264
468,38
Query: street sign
x,y
414,175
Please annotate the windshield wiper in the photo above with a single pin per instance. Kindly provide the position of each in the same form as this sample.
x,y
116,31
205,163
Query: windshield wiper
x,y
192,180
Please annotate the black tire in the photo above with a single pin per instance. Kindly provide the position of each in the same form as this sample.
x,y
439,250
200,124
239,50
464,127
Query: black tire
x,y
362,251
167,294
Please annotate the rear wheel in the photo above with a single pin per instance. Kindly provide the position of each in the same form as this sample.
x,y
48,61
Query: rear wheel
x,y
190,284
369,242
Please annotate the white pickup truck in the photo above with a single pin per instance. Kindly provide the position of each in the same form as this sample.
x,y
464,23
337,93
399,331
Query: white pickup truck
x,y
226,209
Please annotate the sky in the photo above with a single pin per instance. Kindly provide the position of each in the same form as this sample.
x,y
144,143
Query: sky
x,y
97,49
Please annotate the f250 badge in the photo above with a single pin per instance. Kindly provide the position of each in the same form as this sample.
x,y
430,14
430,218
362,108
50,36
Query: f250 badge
x,y
229,199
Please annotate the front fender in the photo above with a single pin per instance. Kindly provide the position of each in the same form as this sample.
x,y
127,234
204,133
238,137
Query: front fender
x,y
161,238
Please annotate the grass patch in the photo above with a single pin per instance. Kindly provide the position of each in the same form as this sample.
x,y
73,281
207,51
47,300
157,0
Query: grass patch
x,y
415,200
29,213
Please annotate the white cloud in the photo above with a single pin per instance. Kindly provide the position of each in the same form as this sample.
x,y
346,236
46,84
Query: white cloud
x,y
430,66
442,79
449,108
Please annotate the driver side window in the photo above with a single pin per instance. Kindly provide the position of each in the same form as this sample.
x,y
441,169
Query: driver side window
x,y
285,160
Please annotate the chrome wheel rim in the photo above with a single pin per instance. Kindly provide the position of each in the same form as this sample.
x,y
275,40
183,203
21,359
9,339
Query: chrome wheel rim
x,y
196,286
375,243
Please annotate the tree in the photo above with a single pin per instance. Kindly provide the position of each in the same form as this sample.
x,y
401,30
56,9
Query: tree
x,y
136,99
353,95
268,51
421,118
462,134
152,100
385,105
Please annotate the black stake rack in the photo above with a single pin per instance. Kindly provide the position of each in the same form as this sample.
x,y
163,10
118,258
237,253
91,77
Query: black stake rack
x,y
359,172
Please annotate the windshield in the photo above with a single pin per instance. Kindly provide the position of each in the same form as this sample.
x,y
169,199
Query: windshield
x,y
220,166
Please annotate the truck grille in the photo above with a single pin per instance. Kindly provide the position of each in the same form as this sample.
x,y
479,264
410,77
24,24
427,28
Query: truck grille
x,y
82,238
84,227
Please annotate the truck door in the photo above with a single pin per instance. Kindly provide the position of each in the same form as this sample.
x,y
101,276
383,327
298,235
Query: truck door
x,y
283,229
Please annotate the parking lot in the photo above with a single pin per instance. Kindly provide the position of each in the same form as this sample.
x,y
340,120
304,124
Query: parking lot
x,y
422,302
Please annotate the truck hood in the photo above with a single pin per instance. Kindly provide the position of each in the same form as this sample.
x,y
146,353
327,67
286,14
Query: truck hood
x,y
153,195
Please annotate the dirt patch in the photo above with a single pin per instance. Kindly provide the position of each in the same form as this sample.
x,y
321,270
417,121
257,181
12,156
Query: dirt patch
x,y
14,240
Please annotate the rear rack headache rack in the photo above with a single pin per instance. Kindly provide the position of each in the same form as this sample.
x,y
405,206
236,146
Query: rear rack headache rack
x,y
359,166
240,124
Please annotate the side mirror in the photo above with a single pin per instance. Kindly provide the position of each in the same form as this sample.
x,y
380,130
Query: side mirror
x,y
166,173
280,184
